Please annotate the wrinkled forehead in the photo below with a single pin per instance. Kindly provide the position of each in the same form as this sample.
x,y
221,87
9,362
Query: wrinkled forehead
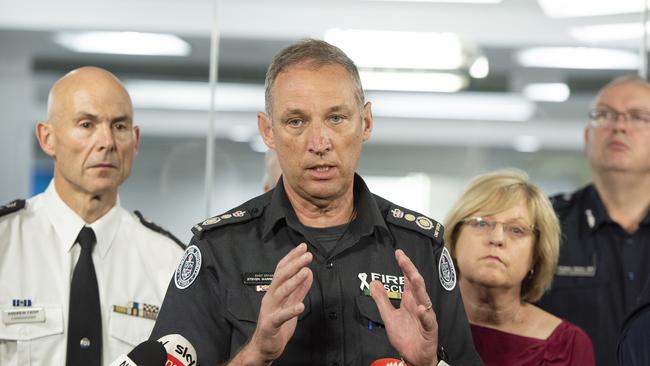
x,y
308,75
98,96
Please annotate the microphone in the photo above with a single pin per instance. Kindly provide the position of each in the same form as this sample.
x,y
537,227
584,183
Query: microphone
x,y
147,353
388,362
180,351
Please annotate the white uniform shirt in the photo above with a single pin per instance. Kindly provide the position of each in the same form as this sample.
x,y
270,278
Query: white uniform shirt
x,y
37,257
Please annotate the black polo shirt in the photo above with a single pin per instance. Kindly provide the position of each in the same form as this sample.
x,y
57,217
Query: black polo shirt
x,y
601,271
217,305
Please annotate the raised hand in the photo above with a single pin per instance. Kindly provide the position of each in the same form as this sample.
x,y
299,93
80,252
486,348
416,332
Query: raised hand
x,y
280,308
412,329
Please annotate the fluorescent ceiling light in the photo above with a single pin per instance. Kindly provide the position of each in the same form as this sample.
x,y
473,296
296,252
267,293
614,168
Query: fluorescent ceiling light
x,y
607,32
480,68
124,43
581,8
400,50
458,106
241,133
527,143
412,81
547,92
578,58
193,95
451,1
180,95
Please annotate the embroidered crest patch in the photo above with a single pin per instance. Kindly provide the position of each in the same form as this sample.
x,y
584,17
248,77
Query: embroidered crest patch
x,y
188,268
446,271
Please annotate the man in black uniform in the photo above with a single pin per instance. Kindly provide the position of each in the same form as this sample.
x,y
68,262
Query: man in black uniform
x,y
605,252
318,271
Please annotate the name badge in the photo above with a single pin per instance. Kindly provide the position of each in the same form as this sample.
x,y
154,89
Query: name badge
x,y
257,278
23,315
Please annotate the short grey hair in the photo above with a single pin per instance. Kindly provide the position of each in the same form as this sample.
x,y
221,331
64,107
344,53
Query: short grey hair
x,y
624,79
317,52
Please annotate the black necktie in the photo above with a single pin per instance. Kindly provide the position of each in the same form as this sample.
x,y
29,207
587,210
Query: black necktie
x,y
85,317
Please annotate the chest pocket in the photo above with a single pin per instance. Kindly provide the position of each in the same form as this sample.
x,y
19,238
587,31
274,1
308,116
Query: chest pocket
x,y
19,340
244,304
130,329
577,289
374,341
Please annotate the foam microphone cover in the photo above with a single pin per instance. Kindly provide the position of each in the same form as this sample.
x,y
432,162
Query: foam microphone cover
x,y
387,362
180,351
149,353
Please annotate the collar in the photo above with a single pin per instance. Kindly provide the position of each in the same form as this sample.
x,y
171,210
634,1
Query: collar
x,y
368,214
594,211
68,223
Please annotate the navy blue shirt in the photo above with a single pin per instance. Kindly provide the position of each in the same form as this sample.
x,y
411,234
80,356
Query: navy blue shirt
x,y
217,312
634,344
601,271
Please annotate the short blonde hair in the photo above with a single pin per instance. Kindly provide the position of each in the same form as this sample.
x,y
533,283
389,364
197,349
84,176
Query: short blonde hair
x,y
498,191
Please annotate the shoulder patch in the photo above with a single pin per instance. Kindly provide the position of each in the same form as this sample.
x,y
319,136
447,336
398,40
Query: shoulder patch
x,y
416,222
446,270
149,224
11,207
562,202
189,267
240,214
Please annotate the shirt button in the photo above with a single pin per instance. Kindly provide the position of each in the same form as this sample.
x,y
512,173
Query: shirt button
x,y
630,276
629,241
332,315
84,343
329,265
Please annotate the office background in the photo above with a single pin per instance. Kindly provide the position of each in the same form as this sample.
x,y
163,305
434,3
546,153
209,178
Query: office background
x,y
516,95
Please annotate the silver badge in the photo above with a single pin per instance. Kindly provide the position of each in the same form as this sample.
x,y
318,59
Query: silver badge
x,y
239,213
446,271
424,223
397,213
211,221
188,268
591,221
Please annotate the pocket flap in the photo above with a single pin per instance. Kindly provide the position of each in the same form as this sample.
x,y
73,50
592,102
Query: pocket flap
x,y
245,304
25,331
368,309
130,329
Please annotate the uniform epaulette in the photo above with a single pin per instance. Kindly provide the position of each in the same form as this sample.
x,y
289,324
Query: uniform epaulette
x,y
239,214
158,229
416,222
12,206
561,202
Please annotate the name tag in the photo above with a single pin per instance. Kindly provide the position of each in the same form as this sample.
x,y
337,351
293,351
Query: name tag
x,y
257,278
23,315
576,271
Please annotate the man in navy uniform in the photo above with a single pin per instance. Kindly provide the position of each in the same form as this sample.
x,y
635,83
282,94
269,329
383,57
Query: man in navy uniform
x,y
318,271
605,251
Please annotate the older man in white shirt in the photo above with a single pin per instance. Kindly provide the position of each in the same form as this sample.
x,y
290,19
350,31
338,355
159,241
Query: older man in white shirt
x,y
81,278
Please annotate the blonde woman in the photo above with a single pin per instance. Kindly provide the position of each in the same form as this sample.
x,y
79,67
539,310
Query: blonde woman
x,y
504,238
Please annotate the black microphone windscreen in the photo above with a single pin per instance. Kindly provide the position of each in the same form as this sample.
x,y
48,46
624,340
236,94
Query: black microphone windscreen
x,y
149,353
